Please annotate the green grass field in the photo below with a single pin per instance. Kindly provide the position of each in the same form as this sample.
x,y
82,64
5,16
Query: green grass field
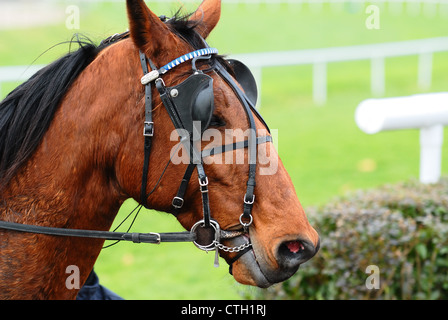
x,y
321,147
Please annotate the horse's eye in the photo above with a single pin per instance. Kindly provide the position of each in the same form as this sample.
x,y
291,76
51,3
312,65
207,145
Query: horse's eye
x,y
217,122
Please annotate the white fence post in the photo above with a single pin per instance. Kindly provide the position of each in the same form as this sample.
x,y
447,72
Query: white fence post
x,y
378,86
424,70
320,83
431,140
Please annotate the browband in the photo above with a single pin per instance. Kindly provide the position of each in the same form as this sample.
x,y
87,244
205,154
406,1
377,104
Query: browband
x,y
155,73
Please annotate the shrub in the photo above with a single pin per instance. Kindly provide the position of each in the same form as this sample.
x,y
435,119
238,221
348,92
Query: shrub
x,y
401,229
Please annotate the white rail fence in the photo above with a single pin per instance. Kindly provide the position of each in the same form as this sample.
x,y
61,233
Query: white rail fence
x,y
17,74
319,59
376,53
426,112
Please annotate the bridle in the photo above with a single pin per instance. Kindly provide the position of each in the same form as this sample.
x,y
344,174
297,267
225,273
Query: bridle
x,y
178,103
188,103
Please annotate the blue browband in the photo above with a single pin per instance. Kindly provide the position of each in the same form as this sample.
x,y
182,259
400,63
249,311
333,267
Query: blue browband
x,y
186,57
154,74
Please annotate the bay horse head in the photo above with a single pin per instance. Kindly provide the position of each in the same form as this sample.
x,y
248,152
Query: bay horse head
x,y
82,152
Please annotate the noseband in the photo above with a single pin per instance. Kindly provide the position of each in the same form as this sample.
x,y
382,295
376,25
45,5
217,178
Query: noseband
x,y
188,103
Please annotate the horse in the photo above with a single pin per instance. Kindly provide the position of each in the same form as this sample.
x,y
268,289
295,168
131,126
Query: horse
x,y
72,151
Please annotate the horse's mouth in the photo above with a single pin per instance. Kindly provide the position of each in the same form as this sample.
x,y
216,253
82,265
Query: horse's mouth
x,y
252,273
252,267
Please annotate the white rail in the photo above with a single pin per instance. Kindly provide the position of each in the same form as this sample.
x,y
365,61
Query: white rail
x,y
376,53
17,74
426,112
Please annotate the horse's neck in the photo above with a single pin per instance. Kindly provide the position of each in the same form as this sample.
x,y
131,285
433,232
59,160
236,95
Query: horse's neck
x,y
69,182
73,168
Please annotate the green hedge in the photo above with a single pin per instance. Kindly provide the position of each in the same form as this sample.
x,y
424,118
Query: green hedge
x,y
401,229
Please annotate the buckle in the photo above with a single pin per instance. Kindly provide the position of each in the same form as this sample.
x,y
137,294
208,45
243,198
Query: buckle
x,y
177,202
203,185
148,129
249,201
159,238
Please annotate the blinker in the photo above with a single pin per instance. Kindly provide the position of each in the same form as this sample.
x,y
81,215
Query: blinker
x,y
246,80
194,101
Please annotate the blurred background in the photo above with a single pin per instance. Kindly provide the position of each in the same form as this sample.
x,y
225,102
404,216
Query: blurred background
x,y
311,103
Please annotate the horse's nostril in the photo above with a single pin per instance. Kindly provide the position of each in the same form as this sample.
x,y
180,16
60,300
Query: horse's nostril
x,y
294,246
293,253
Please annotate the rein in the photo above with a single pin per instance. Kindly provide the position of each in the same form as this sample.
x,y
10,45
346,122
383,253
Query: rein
x,y
151,237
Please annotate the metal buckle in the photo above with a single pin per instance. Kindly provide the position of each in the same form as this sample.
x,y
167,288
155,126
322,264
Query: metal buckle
x,y
177,202
203,185
160,80
159,238
250,201
148,129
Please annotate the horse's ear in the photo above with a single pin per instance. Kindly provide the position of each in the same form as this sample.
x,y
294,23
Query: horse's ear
x,y
208,15
147,31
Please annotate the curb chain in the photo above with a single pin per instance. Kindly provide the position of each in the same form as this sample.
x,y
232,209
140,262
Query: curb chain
x,y
232,249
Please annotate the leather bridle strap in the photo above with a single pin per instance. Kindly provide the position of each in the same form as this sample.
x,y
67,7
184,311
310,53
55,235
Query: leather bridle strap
x,y
234,146
249,197
106,235
178,200
235,258
148,129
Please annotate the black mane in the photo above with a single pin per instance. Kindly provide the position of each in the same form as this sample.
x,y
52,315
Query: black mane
x,y
26,113
186,29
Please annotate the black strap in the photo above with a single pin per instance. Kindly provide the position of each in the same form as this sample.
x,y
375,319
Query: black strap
x,y
148,129
234,146
178,200
249,197
106,235
164,95
235,258
203,187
